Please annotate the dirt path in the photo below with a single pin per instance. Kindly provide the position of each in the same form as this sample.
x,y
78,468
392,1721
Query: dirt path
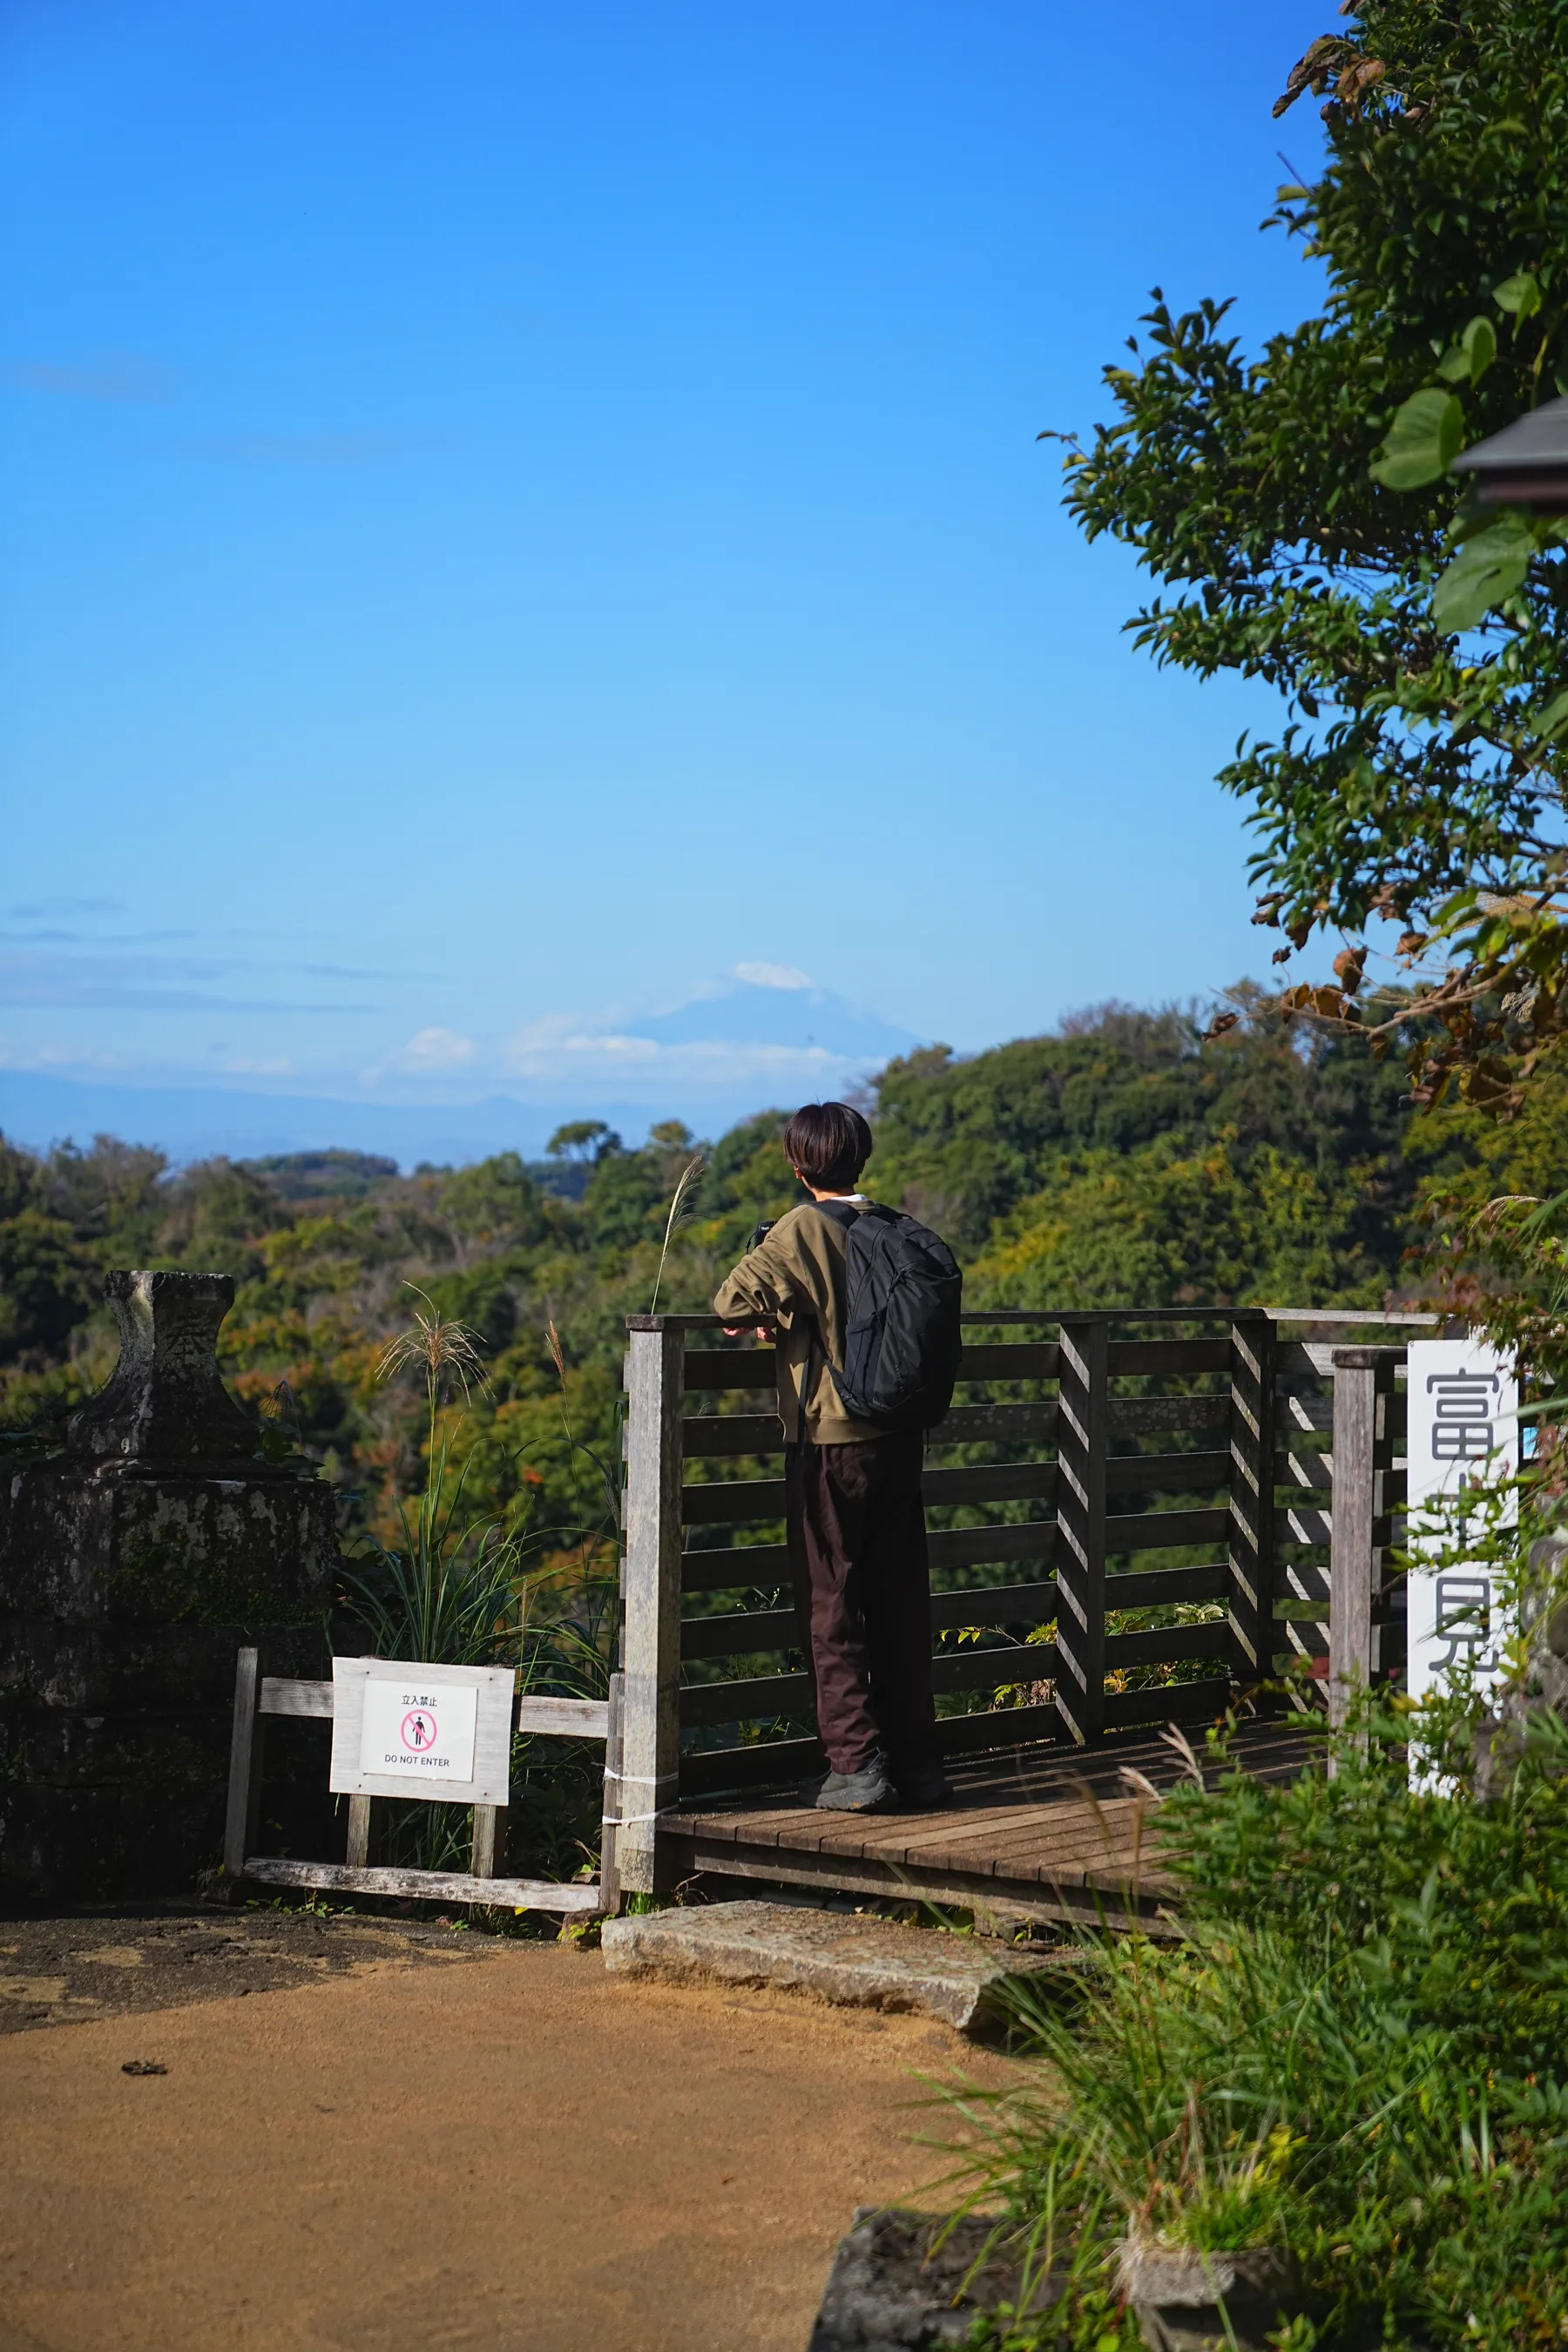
x,y
437,2141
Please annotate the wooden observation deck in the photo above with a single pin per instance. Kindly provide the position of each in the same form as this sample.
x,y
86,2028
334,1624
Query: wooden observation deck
x,y
1137,1519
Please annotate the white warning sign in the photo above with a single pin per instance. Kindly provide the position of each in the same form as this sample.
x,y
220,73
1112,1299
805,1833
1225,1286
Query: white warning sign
x,y
419,1728
438,1733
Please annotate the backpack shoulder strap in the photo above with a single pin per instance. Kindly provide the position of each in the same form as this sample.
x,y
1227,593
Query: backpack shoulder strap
x,y
839,1212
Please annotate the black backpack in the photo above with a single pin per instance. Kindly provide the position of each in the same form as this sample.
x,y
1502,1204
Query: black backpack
x,y
903,1292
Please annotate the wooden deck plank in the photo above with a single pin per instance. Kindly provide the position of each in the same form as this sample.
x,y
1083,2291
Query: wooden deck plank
x,y
1053,1827
1065,1842
891,1839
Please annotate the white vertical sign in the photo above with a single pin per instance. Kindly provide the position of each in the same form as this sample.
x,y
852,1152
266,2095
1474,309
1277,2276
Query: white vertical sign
x,y
1464,1429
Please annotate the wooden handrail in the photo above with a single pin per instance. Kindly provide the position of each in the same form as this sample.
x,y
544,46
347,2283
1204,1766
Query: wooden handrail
x,y
1277,1365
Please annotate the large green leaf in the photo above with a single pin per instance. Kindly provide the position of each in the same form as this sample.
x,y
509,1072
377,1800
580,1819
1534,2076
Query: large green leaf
x,y
1486,570
1423,442
1519,294
1467,361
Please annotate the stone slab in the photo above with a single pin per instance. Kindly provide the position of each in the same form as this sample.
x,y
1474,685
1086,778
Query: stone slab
x,y
909,2283
844,1957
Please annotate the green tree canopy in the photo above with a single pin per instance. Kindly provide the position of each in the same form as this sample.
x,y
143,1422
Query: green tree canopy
x,y
1299,510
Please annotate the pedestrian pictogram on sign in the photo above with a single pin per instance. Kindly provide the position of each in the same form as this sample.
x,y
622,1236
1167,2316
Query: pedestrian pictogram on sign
x,y
408,1728
420,1730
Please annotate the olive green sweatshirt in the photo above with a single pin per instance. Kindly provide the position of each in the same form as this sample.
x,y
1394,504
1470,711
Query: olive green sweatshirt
x,y
795,1278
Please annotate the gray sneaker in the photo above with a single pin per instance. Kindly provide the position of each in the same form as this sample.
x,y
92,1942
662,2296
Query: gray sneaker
x,y
869,1790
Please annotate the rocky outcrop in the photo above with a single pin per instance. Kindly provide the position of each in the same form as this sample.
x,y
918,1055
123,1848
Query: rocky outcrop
x,y
132,1565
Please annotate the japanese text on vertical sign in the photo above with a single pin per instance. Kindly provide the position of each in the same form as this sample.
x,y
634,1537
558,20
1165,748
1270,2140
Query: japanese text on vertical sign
x,y
1463,1404
1462,1612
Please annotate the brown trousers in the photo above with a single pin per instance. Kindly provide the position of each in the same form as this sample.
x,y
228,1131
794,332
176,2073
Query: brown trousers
x,y
862,1597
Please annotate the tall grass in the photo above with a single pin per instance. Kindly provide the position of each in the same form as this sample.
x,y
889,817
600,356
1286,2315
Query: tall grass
x,y
682,1209
454,1588
1359,2055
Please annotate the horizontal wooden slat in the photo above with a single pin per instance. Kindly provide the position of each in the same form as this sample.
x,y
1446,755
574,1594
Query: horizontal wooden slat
x,y
1308,1478
735,1570
994,1727
777,1763
975,1425
730,1368
733,1501
425,1886
708,1433
1167,1643
738,1633
1011,1360
989,1482
1145,1416
1172,1356
1167,1588
978,1546
1307,1412
564,1718
761,1764
995,1604
759,1697
279,1697
973,1668
1149,1530
725,1501
1292,1524
1198,1702
742,1501
755,1698
1129,1474
762,1697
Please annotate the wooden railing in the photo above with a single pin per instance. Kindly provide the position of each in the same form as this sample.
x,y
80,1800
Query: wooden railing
x,y
1115,1439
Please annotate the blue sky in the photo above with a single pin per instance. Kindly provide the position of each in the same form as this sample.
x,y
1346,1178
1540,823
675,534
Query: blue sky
x,y
511,515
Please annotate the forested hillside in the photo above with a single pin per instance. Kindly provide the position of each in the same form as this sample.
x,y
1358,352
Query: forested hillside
x,y
1118,1161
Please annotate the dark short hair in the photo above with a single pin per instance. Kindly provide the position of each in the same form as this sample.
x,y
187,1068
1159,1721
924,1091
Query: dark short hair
x,y
829,1143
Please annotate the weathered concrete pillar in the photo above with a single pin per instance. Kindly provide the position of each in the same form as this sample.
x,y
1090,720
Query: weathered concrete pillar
x,y
132,1565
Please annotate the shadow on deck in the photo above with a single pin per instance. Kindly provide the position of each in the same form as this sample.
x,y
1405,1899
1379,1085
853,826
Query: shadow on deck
x,y
1041,1834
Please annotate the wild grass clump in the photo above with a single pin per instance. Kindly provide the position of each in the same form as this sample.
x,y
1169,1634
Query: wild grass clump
x,y
1359,2056
456,1588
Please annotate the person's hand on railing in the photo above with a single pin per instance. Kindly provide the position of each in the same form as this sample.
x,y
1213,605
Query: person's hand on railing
x,y
765,1331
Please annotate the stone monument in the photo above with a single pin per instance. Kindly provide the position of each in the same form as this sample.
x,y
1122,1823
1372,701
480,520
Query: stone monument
x,y
133,1563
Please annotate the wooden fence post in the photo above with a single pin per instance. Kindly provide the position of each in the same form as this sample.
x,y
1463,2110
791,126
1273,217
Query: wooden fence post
x,y
488,1832
650,1586
243,1820
609,1825
357,1851
1082,1433
1252,1539
1363,1377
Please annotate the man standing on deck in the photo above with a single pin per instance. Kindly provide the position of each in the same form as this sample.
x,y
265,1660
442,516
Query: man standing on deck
x,y
854,1519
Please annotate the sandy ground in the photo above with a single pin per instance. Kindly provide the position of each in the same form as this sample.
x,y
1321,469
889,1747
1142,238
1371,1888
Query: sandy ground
x,y
424,2139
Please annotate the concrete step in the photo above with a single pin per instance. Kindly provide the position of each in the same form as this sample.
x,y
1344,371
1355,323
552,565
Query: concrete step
x,y
844,1957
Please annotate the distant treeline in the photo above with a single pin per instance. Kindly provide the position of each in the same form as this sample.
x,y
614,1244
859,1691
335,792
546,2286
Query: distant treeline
x,y
1118,1161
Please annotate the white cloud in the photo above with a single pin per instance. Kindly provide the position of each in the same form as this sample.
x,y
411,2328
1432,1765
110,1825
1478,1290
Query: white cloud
x,y
437,1049
49,1056
773,975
